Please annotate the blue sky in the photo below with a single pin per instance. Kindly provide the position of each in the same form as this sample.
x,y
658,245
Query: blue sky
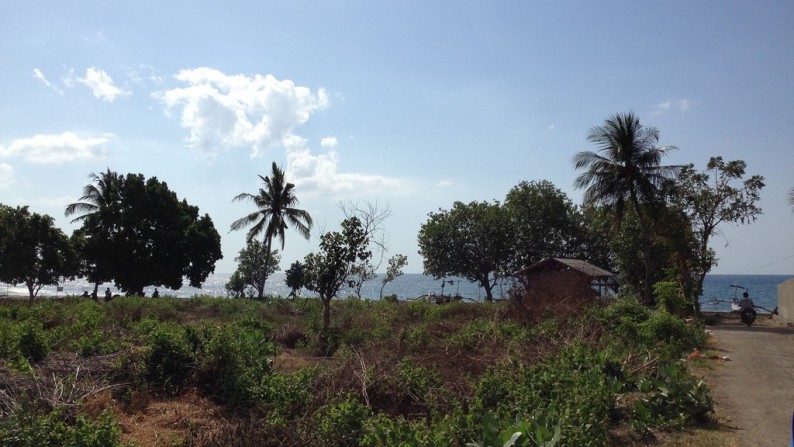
x,y
410,104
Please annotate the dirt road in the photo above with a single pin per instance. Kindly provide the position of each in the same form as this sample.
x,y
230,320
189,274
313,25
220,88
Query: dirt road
x,y
756,387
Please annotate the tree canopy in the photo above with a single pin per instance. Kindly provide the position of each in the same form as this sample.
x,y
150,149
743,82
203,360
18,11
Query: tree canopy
x,y
719,194
472,240
328,270
249,271
545,223
32,250
145,235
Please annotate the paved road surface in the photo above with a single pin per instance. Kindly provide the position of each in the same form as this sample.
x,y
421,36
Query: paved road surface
x,y
756,388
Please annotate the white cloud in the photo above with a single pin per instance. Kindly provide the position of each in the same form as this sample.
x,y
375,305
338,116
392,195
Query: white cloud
x,y
100,83
60,148
37,74
444,183
6,175
329,142
672,105
231,111
319,173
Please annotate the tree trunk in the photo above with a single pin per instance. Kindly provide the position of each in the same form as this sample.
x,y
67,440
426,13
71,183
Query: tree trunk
x,y
96,290
265,267
486,284
326,314
647,296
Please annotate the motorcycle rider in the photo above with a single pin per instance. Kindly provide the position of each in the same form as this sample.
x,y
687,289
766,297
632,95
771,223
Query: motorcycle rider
x,y
746,304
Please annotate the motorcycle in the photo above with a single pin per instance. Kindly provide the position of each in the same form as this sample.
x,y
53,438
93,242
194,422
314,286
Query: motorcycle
x,y
748,317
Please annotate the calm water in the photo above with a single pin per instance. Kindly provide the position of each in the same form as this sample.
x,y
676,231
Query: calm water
x,y
717,291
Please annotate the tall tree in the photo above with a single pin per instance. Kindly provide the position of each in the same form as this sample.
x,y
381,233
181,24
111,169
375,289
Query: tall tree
x,y
329,269
99,210
625,168
546,223
276,210
472,240
145,235
32,250
249,267
710,198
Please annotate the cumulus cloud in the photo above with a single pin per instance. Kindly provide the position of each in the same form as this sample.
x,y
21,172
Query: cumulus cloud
x,y
100,83
6,175
329,142
672,105
59,148
37,74
320,173
232,111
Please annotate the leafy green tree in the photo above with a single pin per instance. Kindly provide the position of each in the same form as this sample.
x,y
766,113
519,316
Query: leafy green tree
x,y
99,211
296,278
147,236
472,240
32,250
672,246
236,286
597,232
275,212
625,168
715,196
328,270
395,269
546,223
249,270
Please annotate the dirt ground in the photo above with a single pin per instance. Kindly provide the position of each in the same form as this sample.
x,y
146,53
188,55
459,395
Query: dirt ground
x,y
755,388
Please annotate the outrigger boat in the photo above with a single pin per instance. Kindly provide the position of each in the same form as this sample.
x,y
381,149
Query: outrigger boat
x,y
735,301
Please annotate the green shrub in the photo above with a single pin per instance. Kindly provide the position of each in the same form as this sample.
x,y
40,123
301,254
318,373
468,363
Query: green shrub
x,y
415,338
671,399
342,423
33,343
170,357
24,428
574,391
234,359
671,334
670,298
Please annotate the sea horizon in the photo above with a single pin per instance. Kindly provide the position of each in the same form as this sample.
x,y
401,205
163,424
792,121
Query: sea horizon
x,y
718,288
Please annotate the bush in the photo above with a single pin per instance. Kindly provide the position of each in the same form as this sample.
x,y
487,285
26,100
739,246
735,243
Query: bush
x,y
170,357
670,298
23,428
573,391
671,334
671,399
342,423
234,358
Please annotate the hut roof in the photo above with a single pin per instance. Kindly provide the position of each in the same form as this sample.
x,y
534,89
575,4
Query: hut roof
x,y
577,264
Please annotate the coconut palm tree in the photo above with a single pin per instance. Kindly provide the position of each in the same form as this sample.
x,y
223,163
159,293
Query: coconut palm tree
x,y
98,195
624,168
96,210
275,212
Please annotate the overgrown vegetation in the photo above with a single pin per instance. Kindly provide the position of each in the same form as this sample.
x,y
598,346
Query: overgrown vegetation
x,y
405,373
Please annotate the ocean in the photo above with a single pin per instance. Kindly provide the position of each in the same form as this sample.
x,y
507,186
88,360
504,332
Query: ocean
x,y
717,293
